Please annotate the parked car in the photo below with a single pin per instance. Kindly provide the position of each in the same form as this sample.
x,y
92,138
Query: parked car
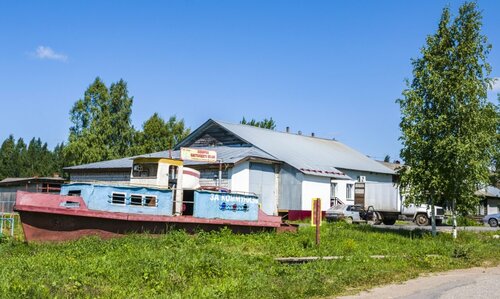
x,y
349,213
492,219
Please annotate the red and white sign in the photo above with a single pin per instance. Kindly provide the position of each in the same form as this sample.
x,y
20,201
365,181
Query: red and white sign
x,y
198,155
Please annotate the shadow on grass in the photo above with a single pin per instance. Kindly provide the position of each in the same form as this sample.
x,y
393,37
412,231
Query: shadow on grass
x,y
413,233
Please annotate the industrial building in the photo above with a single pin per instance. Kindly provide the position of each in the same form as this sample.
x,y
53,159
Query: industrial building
x,y
285,170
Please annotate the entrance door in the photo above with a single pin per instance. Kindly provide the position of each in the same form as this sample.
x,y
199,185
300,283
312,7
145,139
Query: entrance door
x,y
262,184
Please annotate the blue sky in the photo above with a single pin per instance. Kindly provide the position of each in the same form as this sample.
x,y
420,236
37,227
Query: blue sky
x,y
329,67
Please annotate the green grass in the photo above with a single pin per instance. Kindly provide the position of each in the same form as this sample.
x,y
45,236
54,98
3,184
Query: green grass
x,y
226,265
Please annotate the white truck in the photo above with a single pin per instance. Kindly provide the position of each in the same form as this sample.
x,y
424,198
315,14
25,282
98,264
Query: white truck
x,y
384,202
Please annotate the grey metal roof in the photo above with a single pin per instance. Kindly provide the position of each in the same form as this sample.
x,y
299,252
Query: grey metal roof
x,y
225,153
489,191
110,164
8,181
306,152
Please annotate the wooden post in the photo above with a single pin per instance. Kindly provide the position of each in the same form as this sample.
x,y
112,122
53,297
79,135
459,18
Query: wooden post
x,y
316,216
318,220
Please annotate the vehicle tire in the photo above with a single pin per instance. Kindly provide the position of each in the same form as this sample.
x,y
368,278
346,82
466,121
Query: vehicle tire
x,y
493,222
389,221
348,220
377,218
421,220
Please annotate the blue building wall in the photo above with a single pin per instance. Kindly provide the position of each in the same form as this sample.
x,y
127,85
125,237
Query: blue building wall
x,y
99,197
218,205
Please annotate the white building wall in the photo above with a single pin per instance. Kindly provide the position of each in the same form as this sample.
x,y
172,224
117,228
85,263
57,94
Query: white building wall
x,y
240,177
341,190
370,176
315,187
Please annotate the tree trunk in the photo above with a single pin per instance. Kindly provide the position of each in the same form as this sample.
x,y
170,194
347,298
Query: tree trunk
x,y
433,218
454,220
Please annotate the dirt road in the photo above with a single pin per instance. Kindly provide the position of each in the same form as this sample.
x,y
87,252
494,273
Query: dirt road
x,y
457,284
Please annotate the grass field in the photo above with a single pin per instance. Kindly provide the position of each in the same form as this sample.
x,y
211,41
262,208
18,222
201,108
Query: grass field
x,y
226,265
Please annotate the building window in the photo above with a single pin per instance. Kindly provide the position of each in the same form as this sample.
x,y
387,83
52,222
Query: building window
x,y
333,190
348,191
118,198
150,201
333,194
136,200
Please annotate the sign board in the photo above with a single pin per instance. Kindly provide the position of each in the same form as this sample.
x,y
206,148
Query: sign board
x,y
315,215
200,155
220,205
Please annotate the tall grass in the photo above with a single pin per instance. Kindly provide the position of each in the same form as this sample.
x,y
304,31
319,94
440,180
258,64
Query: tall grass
x,y
226,265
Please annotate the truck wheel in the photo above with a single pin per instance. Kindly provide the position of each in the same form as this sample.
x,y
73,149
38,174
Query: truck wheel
x,y
389,221
348,220
422,220
377,218
493,222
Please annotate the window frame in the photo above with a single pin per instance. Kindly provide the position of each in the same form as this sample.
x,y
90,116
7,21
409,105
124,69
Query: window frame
x,y
155,197
124,198
137,205
349,188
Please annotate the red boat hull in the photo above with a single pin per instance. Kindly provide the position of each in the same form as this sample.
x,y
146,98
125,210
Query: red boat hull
x,y
44,219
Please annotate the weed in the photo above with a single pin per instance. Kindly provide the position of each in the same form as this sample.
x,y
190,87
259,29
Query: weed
x,y
226,265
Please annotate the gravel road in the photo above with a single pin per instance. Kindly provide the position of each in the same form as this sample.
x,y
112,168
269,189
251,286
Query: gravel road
x,y
456,284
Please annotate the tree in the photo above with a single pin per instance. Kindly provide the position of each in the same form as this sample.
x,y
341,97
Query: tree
x,y
101,124
387,158
7,161
266,123
495,175
448,128
158,135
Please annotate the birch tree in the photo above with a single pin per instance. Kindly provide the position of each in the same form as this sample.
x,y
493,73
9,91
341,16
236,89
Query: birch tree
x,y
448,127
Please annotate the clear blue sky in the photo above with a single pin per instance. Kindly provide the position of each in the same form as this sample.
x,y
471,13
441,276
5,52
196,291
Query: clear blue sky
x,y
329,67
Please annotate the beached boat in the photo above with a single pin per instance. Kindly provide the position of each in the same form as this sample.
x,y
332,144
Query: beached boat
x,y
162,195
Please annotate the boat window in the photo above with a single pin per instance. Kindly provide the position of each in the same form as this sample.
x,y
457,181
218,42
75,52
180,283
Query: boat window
x,y
150,201
118,198
144,170
74,192
136,200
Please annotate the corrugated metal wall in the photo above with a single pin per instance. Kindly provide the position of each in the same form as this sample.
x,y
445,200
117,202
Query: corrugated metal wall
x,y
8,196
262,184
102,177
290,188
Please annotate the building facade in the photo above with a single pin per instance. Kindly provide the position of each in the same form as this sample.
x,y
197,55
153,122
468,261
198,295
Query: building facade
x,y
284,170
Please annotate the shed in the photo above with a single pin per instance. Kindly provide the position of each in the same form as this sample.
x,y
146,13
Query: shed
x,y
9,187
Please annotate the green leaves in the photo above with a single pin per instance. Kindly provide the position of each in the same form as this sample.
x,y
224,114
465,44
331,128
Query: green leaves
x,y
158,135
265,123
101,129
35,159
449,129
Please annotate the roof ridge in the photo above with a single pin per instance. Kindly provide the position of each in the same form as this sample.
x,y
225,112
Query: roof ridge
x,y
276,131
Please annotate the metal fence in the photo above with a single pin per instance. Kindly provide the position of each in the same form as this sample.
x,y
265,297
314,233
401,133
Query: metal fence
x,y
7,201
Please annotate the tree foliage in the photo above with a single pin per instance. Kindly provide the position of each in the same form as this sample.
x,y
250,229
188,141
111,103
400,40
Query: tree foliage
x,y
159,135
102,128
35,159
265,123
448,126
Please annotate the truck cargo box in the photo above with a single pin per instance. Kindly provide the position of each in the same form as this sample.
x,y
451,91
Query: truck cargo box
x,y
383,197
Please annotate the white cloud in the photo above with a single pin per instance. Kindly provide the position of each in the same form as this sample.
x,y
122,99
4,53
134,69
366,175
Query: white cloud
x,y
43,52
496,84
